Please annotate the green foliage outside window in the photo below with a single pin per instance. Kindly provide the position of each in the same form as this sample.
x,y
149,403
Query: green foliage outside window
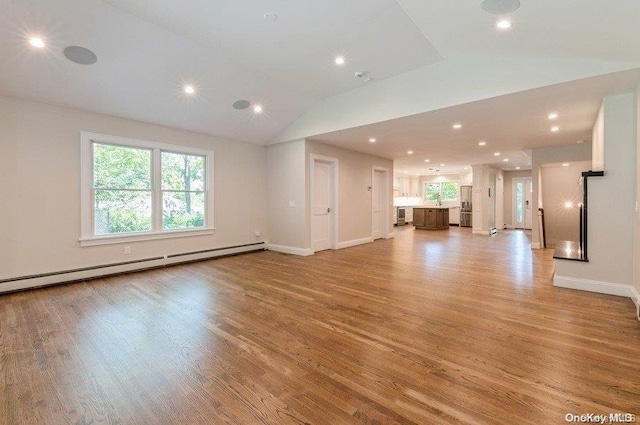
x,y
446,191
123,188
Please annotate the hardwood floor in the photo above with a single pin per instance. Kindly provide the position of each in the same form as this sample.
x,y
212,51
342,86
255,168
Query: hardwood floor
x,y
434,327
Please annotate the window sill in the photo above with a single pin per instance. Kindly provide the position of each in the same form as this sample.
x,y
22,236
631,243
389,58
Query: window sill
x,y
150,236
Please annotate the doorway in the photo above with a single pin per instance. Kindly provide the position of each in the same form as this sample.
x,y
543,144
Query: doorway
x,y
379,203
522,196
323,183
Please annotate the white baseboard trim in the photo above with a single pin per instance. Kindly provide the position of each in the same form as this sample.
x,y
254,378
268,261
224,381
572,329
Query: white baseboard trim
x,y
635,296
91,272
600,287
535,245
354,242
391,235
509,226
304,252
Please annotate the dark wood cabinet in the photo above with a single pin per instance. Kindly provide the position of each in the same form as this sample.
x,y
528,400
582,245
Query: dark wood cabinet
x,y
431,218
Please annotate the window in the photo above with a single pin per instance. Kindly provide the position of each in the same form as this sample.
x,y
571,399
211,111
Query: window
x,y
443,191
138,190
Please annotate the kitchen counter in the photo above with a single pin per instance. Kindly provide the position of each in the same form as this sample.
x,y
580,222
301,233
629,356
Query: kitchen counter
x,y
431,218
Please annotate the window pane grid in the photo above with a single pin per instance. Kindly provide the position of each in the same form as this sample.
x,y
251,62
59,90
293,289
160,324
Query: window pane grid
x,y
136,189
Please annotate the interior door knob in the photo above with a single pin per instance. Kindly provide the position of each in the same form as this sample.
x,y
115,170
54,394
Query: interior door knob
x,y
328,210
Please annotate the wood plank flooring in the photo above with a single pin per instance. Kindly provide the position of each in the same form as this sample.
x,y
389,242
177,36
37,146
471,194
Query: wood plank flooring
x,y
434,327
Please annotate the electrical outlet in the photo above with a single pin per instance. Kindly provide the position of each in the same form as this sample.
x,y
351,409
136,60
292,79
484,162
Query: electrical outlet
x,y
127,250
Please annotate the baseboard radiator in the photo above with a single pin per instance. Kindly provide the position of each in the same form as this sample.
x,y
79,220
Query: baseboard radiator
x,y
93,272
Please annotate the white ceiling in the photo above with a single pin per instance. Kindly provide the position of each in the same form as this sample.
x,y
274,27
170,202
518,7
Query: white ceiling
x,y
148,49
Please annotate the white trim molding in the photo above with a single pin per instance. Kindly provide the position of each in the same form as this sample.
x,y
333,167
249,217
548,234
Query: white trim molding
x,y
95,271
304,252
610,288
354,242
535,245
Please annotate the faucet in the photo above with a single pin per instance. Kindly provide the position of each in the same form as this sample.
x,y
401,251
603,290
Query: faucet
x,y
439,201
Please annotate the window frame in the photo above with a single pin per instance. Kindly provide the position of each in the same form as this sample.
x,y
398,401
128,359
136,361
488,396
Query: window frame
x,y
87,214
440,192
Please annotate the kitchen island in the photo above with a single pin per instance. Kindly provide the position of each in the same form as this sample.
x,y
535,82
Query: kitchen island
x,y
431,218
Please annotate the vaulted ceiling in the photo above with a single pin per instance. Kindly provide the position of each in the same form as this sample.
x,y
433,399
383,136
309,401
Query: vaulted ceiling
x,y
425,64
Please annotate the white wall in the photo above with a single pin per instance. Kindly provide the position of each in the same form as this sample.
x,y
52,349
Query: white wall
x,y
636,216
285,184
554,154
610,246
562,185
508,193
40,189
354,198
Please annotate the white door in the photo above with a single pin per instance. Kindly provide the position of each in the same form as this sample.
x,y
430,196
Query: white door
x,y
528,196
322,206
377,201
522,195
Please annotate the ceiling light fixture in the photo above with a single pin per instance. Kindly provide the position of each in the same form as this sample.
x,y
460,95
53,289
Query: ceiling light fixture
x,y
36,42
427,160
189,89
517,168
553,116
457,126
257,109
505,160
503,24
442,165
555,129
482,143
565,164
409,152
496,154
339,60
372,140
580,142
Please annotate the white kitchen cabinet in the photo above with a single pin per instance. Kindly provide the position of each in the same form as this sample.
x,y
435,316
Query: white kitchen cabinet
x,y
408,215
454,215
415,187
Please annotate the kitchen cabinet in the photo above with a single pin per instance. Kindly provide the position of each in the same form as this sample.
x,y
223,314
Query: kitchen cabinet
x,y
434,218
415,187
403,185
408,215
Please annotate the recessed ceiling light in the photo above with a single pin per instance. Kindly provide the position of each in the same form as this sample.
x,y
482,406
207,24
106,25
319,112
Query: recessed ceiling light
x,y
372,140
189,89
482,143
466,168
457,126
580,141
555,129
427,160
409,152
500,7
270,16
553,116
505,160
257,109
517,168
565,164
339,60
568,205
442,165
36,42
406,172
503,24
496,154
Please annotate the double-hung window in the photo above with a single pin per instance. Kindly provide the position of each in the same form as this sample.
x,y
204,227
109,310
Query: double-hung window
x,y
441,191
140,190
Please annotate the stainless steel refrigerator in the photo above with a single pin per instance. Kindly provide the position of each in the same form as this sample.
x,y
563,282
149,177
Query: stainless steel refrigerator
x,y
466,214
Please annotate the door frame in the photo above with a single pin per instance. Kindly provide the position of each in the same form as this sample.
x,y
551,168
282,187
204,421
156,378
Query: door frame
x,y
333,187
385,199
514,182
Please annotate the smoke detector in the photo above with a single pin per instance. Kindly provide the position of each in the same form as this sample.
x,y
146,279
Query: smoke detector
x,y
359,74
